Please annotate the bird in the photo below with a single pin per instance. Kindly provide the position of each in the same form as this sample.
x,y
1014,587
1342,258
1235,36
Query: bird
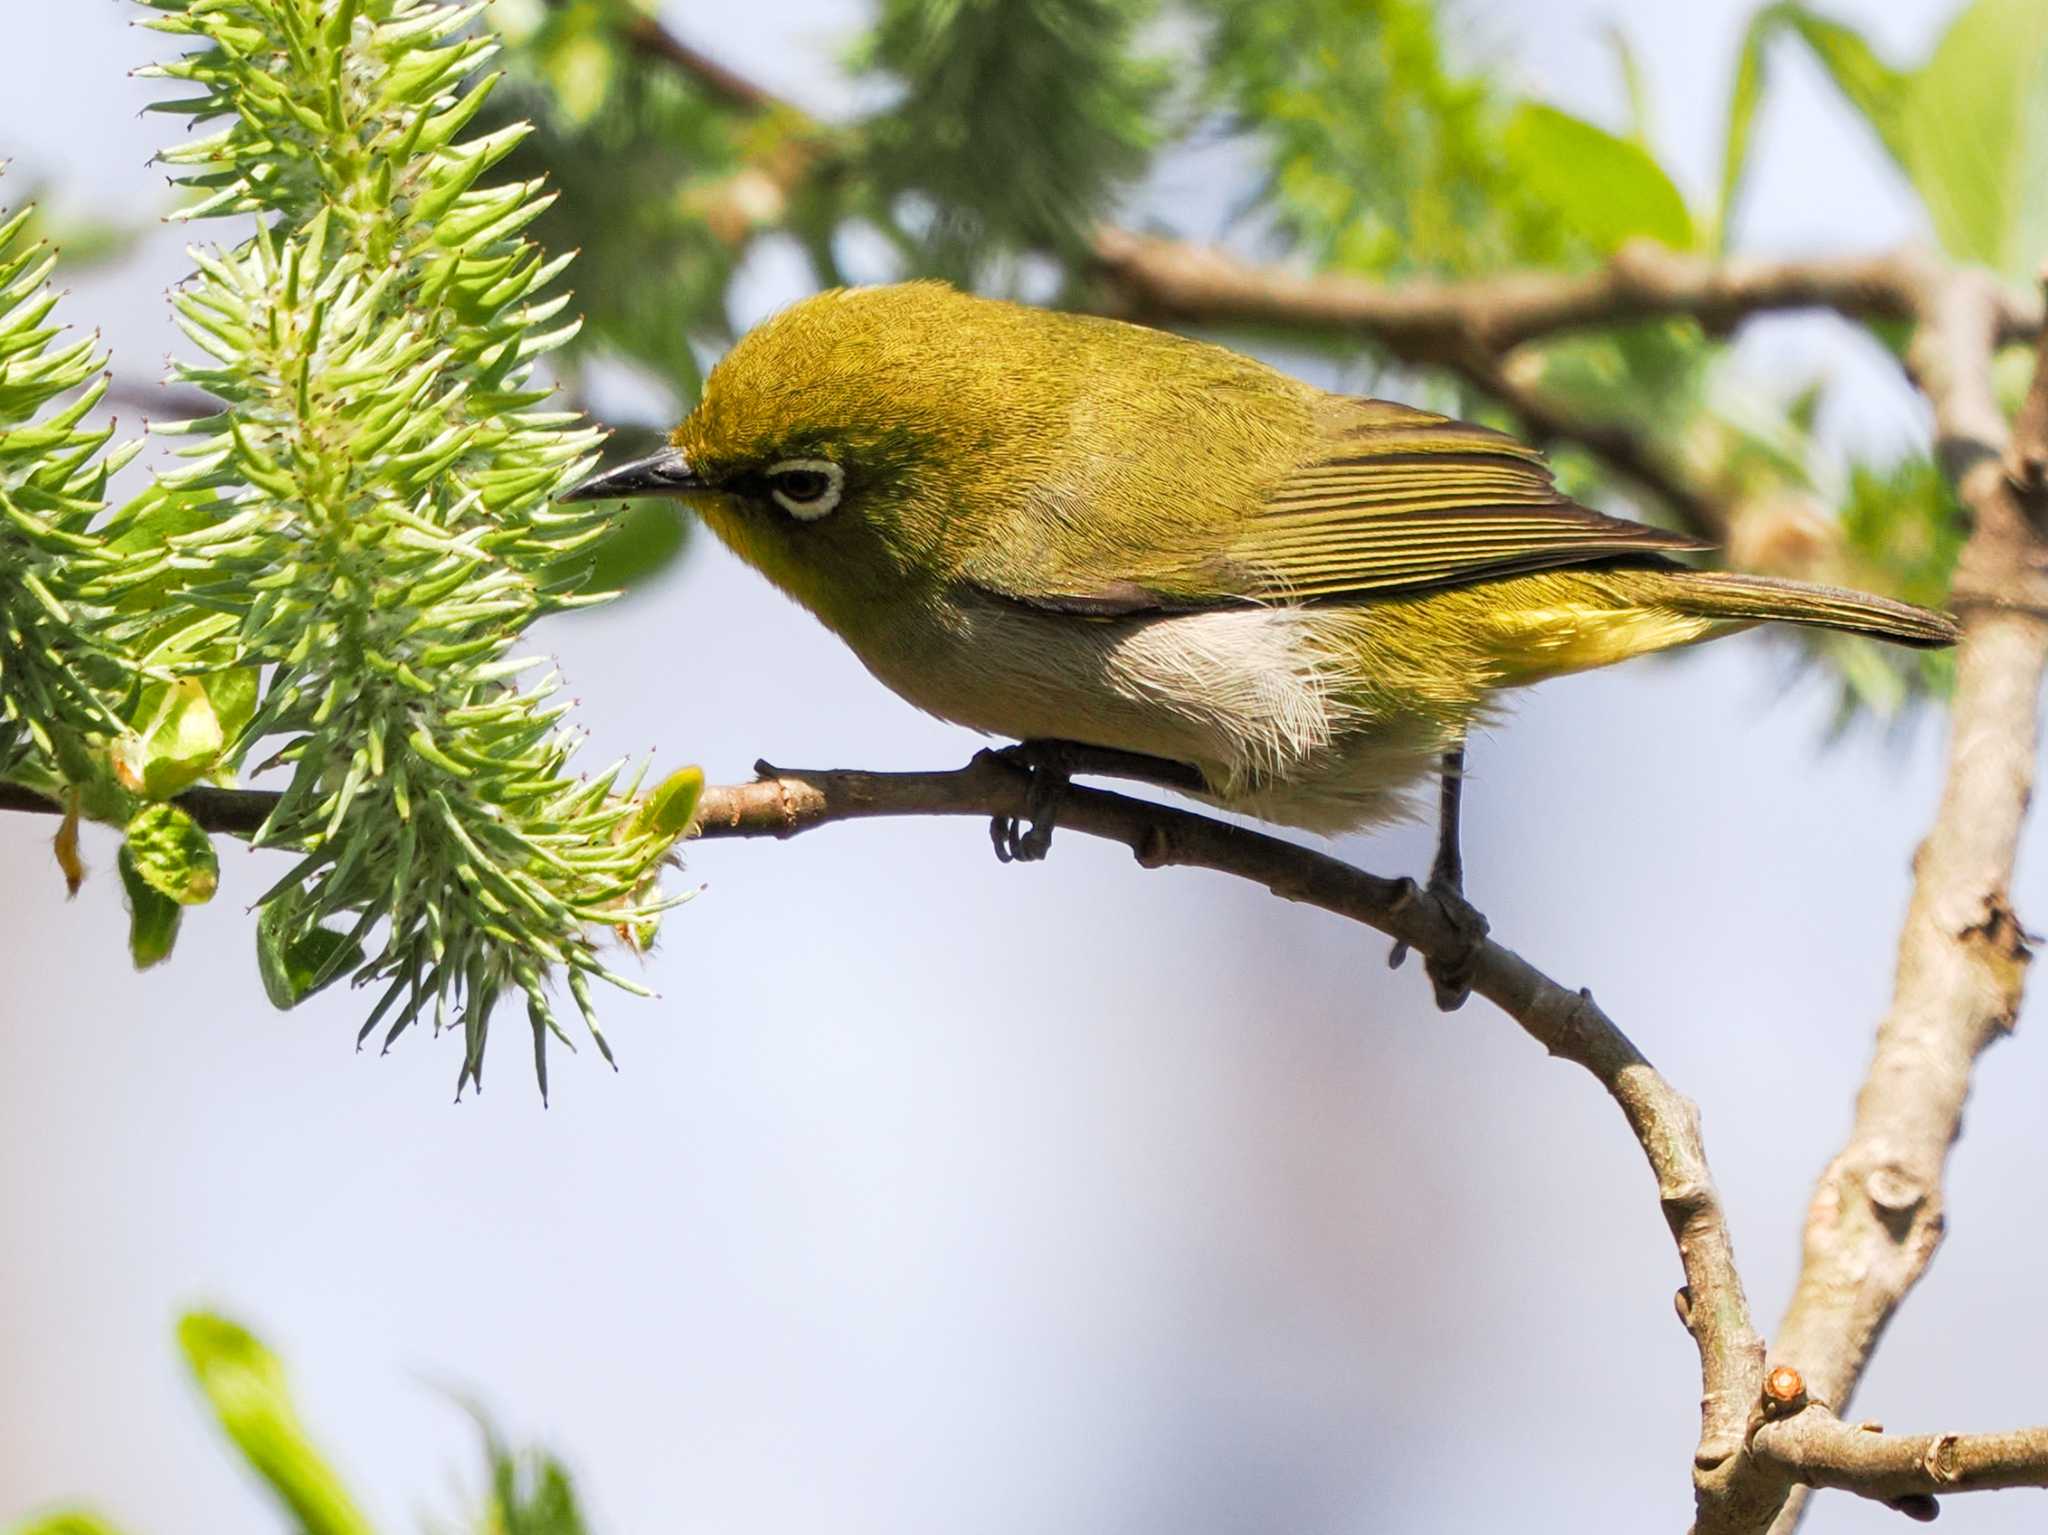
x,y
1121,547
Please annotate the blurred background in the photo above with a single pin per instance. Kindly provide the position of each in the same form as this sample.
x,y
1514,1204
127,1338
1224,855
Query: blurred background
x,y
934,1195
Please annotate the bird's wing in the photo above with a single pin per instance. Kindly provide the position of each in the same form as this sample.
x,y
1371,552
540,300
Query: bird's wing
x,y
1400,499
1393,500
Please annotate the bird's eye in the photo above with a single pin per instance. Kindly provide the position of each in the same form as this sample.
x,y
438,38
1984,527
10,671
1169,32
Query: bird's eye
x,y
806,488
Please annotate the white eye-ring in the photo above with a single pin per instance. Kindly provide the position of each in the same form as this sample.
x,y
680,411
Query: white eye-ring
x,y
806,488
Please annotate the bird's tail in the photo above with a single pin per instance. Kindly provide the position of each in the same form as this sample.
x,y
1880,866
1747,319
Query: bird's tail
x,y
1732,597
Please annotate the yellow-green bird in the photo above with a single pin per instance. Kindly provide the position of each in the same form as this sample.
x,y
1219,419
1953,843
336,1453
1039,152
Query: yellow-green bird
x,y
1059,528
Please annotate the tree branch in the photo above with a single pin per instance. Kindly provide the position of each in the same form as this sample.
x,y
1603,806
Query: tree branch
x,y
228,812
163,402
1567,1023
726,85
1428,320
1877,1213
1814,1448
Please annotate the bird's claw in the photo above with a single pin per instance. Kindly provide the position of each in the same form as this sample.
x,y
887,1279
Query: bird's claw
x,y
1452,975
1017,841
1014,841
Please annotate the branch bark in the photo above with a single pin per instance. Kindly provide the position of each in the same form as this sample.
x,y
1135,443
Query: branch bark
x,y
1815,1448
1426,320
227,812
1877,1213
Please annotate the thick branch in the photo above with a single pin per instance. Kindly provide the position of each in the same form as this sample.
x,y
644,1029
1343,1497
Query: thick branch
x,y
726,85
1877,1213
1816,1449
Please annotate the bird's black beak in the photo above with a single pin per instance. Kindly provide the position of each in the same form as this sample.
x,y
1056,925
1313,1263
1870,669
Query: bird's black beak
x,y
666,473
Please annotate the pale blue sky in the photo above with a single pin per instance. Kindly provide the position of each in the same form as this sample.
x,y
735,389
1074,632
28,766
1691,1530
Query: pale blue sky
x,y
937,1196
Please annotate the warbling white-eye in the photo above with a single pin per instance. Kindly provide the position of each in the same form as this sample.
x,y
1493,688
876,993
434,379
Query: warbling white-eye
x,y
1064,529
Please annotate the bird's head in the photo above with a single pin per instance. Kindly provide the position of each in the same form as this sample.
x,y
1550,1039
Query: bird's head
x,y
864,442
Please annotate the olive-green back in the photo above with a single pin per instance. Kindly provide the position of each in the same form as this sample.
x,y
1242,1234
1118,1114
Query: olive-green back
x,y
1090,466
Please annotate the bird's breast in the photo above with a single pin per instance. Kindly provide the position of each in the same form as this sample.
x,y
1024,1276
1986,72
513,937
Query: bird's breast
x,y
1257,697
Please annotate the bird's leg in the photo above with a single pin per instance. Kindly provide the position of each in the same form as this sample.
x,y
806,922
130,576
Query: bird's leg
x,y
1052,765
1452,977
1448,870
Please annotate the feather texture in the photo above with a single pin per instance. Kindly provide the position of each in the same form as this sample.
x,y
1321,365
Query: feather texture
x,y
1397,499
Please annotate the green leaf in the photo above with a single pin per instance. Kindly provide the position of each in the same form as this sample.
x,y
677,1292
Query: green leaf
x,y
232,693
1641,119
1975,136
580,67
71,1522
153,917
172,854
295,961
245,1384
1607,190
668,811
1969,128
531,1492
1873,87
177,742
1384,152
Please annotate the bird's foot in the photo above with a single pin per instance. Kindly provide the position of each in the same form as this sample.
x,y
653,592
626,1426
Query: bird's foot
x,y
1051,767
1451,975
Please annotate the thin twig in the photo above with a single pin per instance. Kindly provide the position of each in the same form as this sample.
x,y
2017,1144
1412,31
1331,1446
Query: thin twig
x,y
1565,1022
163,402
1815,1448
229,812
728,86
1426,319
